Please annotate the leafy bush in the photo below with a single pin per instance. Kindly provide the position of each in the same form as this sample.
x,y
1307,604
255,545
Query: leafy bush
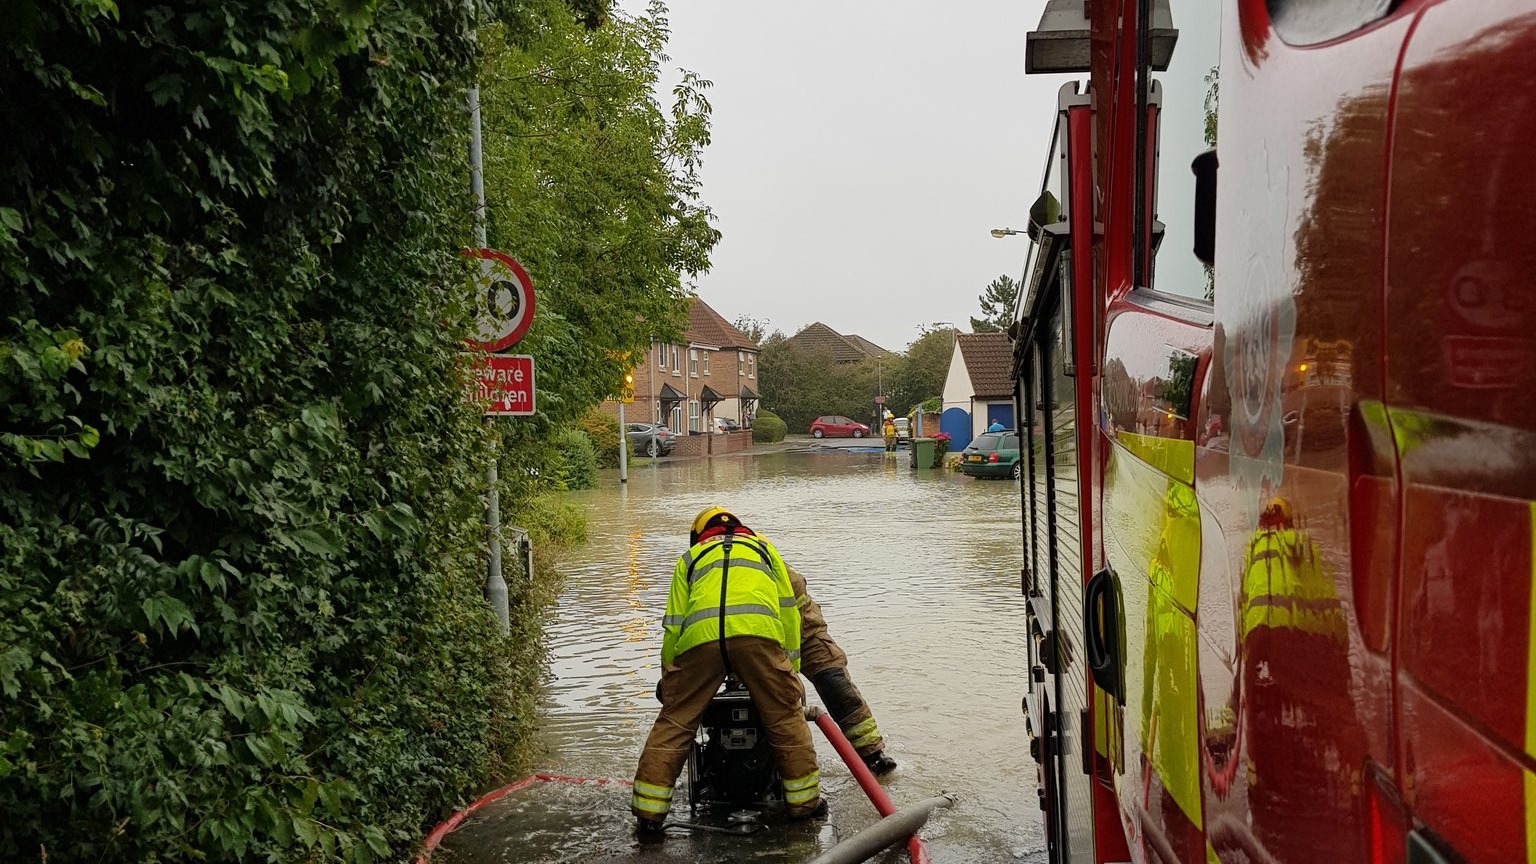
x,y
767,428
931,405
240,488
241,549
574,463
603,431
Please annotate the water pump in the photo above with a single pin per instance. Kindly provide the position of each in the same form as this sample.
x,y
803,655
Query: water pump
x,y
731,762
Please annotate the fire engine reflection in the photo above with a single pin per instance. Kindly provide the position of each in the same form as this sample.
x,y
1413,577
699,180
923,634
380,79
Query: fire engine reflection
x,y
1302,765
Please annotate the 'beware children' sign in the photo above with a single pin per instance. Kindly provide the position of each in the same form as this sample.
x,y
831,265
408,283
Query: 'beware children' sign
x,y
505,383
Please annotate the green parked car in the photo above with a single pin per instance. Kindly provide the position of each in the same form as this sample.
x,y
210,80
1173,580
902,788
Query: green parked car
x,y
992,454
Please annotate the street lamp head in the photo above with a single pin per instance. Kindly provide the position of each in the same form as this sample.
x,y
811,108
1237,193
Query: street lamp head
x,y
1000,233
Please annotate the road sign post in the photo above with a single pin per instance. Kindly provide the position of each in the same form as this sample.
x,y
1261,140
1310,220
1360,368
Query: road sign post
x,y
626,395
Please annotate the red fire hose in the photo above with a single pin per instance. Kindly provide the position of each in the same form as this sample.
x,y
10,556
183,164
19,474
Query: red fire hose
x,y
867,782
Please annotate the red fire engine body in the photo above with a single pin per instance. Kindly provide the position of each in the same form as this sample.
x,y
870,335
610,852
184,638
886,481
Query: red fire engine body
x,y
1278,544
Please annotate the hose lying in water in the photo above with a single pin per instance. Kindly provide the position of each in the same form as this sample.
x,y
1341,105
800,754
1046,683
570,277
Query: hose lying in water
x,y
883,834
867,781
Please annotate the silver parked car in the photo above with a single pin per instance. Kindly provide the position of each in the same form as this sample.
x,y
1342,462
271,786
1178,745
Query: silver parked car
x,y
649,439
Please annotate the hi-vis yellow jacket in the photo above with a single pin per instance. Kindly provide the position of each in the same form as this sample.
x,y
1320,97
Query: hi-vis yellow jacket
x,y
735,585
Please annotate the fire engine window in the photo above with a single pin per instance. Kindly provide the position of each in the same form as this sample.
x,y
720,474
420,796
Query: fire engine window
x,y
1186,127
1307,22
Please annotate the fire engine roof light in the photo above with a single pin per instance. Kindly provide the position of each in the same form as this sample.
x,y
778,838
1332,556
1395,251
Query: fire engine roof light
x,y
1061,42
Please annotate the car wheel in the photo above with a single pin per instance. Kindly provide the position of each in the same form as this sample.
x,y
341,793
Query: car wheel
x,y
858,433
1018,470
815,433
653,449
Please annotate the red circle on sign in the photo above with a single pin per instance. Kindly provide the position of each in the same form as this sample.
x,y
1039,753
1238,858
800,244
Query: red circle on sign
x,y
501,334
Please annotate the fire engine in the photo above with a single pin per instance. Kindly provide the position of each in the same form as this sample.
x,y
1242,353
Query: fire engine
x,y
1274,359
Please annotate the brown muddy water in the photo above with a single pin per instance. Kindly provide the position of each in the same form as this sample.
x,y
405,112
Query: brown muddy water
x,y
918,574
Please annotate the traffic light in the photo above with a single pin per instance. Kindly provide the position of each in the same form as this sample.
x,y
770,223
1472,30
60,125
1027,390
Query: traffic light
x,y
627,391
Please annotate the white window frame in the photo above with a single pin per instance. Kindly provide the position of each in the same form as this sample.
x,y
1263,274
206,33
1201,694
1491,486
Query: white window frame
x,y
661,357
741,363
751,365
706,363
693,415
677,362
693,362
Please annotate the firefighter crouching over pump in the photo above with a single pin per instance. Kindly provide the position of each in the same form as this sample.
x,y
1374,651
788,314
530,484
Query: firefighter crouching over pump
x,y
825,664
731,608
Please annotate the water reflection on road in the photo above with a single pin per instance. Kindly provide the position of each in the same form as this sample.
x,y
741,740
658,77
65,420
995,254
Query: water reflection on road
x,y
918,574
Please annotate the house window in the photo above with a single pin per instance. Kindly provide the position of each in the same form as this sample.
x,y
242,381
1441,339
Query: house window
x,y
693,362
676,364
706,362
676,423
741,362
751,365
693,415
661,357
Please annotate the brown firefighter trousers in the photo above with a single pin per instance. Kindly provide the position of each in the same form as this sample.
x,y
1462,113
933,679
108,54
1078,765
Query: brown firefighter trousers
x,y
825,664
686,690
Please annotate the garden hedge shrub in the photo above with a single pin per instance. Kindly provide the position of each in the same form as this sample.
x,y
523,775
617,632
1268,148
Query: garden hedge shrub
x,y
240,488
603,431
574,460
767,428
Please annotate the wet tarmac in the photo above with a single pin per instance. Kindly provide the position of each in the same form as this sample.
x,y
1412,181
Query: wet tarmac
x,y
918,574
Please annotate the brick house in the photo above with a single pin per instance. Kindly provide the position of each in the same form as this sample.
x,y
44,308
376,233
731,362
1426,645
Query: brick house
x,y
685,386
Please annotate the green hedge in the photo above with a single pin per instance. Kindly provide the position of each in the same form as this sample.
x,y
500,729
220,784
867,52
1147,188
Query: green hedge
x,y
574,461
767,428
603,431
240,488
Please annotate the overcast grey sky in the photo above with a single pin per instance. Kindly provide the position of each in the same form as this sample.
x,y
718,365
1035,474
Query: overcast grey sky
x,y
861,152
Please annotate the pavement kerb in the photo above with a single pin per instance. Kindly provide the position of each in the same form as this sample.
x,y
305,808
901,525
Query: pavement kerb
x,y
434,839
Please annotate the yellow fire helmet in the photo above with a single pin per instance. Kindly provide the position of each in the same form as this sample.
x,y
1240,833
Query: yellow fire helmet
x,y
708,518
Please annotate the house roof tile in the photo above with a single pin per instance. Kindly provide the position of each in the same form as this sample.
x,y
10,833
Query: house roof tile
x,y
844,349
707,327
989,363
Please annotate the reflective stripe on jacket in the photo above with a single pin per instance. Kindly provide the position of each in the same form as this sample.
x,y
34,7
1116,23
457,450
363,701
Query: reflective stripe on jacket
x,y
737,579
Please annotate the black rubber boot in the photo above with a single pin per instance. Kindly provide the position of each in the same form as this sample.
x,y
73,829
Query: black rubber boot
x,y
649,830
879,763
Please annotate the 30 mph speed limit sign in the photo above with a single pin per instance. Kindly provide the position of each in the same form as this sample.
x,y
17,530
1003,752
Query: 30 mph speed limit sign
x,y
503,301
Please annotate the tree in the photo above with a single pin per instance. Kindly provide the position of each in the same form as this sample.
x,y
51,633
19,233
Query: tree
x,y
923,368
755,329
800,385
594,187
241,547
997,305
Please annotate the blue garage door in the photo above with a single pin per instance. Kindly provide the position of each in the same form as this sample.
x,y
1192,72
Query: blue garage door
x,y
1000,412
956,423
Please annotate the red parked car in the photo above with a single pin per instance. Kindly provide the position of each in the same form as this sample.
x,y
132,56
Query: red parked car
x,y
837,426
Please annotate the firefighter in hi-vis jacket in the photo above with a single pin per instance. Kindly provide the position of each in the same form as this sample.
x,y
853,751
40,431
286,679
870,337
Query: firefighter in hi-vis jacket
x,y
1302,760
731,608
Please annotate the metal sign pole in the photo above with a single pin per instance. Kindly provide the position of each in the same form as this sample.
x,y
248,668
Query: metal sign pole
x,y
495,585
623,447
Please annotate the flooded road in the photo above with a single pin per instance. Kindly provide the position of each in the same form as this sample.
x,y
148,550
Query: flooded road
x,y
918,574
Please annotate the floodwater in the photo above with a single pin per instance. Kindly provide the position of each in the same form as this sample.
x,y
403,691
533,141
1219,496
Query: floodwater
x,y
919,576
